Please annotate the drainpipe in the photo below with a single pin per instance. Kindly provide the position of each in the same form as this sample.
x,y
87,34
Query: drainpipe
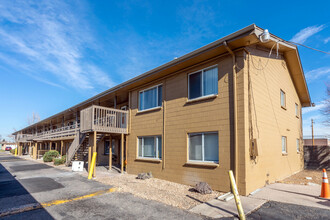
x,y
235,113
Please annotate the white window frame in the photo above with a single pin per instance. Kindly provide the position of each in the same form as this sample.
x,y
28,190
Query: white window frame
x,y
286,145
298,145
284,95
202,72
156,142
141,110
203,152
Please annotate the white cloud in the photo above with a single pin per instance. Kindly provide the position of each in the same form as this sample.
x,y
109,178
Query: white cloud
x,y
318,73
326,40
305,33
317,107
51,37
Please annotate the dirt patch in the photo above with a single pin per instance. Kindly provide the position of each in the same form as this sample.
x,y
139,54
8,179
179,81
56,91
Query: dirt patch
x,y
300,178
170,193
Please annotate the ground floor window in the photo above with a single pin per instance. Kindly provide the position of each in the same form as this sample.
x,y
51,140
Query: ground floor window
x,y
106,147
204,147
150,147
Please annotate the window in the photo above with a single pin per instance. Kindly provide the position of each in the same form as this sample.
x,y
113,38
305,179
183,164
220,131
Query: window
x,y
284,149
106,147
297,110
298,145
203,83
150,147
151,98
204,147
283,104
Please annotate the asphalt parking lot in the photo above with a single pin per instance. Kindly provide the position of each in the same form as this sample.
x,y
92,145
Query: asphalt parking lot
x,y
30,190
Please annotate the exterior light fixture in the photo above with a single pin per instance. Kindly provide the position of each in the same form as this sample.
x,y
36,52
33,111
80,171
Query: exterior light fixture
x,y
265,36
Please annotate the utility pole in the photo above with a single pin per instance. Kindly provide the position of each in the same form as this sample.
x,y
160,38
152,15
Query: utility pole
x,y
312,132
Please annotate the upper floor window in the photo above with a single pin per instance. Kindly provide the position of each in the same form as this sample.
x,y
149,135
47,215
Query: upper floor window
x,y
297,109
283,99
150,147
151,98
203,83
204,147
284,146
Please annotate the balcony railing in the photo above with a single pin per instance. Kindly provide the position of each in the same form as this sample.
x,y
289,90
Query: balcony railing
x,y
24,137
93,118
59,132
102,119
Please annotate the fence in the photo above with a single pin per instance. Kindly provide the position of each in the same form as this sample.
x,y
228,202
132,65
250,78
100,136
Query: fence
x,y
317,157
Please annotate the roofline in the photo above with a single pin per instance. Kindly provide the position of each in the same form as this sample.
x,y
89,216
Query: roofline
x,y
257,31
294,47
169,64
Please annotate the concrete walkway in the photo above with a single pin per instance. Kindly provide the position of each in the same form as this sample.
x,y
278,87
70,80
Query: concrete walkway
x,y
219,209
295,194
304,195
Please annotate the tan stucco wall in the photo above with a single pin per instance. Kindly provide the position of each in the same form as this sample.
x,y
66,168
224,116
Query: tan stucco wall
x,y
180,119
270,121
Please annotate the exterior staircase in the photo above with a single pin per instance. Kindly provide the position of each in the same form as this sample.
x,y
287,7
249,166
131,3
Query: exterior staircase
x,y
75,145
78,149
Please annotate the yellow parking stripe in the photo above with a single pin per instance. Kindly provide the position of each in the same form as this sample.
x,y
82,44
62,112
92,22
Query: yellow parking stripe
x,y
35,206
58,202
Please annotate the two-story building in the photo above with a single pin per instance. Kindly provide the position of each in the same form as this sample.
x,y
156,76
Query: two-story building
x,y
234,104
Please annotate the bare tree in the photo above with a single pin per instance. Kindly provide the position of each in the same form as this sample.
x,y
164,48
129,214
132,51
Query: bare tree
x,y
11,138
34,118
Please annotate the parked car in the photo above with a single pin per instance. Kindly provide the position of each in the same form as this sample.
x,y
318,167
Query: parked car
x,y
7,148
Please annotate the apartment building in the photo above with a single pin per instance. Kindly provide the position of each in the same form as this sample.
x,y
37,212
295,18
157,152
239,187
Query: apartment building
x,y
234,104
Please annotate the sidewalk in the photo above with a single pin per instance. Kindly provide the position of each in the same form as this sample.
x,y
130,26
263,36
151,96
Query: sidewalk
x,y
220,209
305,195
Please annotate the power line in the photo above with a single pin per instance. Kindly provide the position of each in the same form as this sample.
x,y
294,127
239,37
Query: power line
x,y
309,47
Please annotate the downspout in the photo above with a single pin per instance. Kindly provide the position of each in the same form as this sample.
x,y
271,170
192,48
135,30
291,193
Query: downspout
x,y
235,112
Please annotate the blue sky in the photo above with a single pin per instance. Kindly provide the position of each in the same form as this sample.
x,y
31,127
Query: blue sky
x,y
54,54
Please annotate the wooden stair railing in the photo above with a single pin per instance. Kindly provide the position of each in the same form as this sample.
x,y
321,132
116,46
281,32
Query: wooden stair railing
x,y
76,143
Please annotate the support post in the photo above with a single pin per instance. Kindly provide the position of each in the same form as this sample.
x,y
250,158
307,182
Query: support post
x,y
61,148
34,153
122,153
110,152
94,151
50,145
91,149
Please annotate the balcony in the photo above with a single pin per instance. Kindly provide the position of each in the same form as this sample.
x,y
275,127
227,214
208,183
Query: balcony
x,y
105,120
93,118
66,131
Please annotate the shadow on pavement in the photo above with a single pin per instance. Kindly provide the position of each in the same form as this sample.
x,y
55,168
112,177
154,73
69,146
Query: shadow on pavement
x,y
11,192
303,194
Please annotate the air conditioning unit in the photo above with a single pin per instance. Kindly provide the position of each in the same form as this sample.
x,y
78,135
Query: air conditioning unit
x,y
253,148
